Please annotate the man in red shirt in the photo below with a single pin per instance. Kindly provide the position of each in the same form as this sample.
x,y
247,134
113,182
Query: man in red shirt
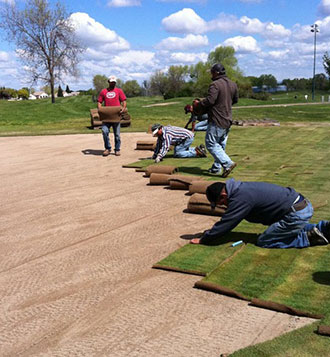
x,y
111,97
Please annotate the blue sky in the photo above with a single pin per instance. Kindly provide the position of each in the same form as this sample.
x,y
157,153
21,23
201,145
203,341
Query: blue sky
x,y
133,38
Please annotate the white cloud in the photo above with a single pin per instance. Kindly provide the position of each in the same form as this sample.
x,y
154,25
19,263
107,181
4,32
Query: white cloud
x,y
11,2
96,36
243,44
184,21
246,25
138,59
124,3
187,58
4,56
324,7
188,42
186,1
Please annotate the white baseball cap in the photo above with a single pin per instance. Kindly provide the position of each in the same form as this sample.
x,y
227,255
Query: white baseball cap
x,y
112,79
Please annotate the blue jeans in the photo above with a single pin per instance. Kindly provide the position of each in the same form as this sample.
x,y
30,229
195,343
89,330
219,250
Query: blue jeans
x,y
116,131
201,126
290,231
184,150
215,141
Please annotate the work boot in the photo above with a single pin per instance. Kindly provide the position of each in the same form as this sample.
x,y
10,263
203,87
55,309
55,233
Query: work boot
x,y
106,152
201,151
316,237
117,153
227,171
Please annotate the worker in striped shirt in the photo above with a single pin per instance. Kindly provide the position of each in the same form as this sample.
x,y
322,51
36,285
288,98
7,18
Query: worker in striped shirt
x,y
180,138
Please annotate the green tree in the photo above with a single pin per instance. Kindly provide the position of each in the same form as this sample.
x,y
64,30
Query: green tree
x,y
100,82
23,93
67,89
45,37
226,56
201,79
46,89
267,80
60,91
321,82
326,63
158,83
176,77
131,88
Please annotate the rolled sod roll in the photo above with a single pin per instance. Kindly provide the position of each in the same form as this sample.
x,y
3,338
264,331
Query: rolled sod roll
x,y
199,186
110,114
159,179
181,182
198,203
324,330
159,169
145,145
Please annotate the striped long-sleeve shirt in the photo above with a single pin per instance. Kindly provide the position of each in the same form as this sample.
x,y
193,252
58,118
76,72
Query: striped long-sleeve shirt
x,y
172,135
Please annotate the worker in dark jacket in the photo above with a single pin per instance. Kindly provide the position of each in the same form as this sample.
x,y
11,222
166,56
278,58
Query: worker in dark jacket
x,y
222,94
285,211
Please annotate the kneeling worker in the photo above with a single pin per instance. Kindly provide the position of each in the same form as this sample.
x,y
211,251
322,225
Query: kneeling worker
x,y
179,137
286,212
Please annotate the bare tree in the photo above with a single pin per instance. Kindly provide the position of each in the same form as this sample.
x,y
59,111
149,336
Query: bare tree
x,y
45,40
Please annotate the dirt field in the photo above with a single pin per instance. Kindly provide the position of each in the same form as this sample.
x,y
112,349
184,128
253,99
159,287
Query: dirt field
x,y
78,237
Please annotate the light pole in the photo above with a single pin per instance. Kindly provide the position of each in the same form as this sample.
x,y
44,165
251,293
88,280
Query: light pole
x,y
315,30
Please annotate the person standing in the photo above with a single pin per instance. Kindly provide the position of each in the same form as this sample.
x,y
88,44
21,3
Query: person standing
x,y
222,94
111,97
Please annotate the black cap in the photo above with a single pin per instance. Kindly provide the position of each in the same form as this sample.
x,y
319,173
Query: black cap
x,y
218,68
213,192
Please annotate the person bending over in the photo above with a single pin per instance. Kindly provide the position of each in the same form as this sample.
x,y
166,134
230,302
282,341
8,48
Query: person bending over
x,y
179,137
285,211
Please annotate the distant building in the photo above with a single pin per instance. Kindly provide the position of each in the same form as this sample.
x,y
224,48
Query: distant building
x,y
71,94
279,88
40,95
32,97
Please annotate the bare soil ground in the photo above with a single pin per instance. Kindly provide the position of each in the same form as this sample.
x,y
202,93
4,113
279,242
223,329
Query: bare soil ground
x,y
78,237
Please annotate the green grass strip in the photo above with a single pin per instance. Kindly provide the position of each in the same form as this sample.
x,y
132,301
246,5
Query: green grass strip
x,y
285,276
304,342
202,259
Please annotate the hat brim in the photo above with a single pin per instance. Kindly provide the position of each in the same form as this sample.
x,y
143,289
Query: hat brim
x,y
154,133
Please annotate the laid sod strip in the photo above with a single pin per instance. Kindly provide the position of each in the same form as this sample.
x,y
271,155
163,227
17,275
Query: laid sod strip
x,y
197,259
303,342
282,276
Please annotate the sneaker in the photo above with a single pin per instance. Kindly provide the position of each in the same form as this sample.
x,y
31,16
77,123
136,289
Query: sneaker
x,y
201,151
327,231
106,152
229,170
117,153
316,237
214,171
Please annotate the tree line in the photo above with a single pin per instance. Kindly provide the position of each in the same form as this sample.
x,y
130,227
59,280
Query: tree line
x,y
194,80
48,47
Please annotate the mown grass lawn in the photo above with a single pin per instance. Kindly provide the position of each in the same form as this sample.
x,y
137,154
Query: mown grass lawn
x,y
70,115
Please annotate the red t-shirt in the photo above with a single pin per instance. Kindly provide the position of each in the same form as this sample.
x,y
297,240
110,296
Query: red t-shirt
x,y
111,97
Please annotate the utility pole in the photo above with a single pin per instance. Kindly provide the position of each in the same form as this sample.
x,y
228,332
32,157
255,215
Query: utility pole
x,y
315,30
